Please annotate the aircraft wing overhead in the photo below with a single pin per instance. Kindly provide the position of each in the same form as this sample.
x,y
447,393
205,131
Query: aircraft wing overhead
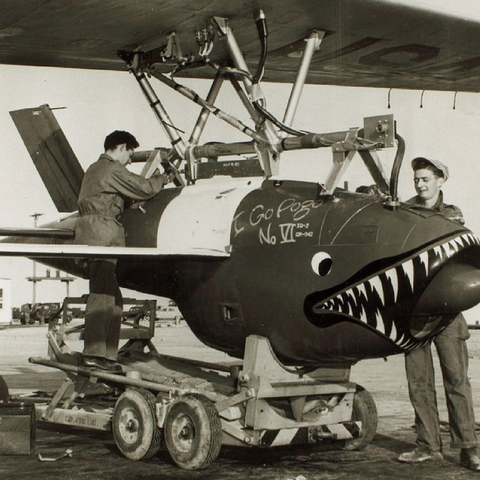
x,y
389,43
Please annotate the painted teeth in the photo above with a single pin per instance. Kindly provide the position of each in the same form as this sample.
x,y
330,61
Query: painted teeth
x,y
380,323
393,332
439,251
366,300
409,272
363,314
361,291
392,276
376,285
423,257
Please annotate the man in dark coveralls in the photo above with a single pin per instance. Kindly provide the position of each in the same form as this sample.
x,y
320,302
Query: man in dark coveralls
x,y
429,176
105,187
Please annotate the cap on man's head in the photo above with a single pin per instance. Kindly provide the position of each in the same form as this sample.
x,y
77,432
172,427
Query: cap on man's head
x,y
421,162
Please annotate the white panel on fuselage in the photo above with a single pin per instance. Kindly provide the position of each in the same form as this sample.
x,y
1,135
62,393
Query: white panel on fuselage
x,y
199,220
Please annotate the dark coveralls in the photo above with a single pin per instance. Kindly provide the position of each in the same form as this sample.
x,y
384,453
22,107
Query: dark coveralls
x,y
105,186
453,356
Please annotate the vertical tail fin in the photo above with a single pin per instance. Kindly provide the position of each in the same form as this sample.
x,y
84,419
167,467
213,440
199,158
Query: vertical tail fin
x,y
52,155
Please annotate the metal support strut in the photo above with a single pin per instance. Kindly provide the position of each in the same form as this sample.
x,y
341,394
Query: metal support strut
x,y
162,115
171,131
270,137
268,154
313,42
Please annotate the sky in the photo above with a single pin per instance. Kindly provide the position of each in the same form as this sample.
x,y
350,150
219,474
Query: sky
x,y
461,9
91,104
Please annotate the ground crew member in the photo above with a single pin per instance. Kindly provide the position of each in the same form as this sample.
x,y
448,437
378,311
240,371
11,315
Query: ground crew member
x,y
429,176
105,187
25,315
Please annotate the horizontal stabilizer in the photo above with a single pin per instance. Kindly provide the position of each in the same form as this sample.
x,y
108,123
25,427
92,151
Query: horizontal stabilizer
x,y
38,232
52,155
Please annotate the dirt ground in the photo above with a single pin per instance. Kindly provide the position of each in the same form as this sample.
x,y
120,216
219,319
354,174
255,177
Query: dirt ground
x,y
95,454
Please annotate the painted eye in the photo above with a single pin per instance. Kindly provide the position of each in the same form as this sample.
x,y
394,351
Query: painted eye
x,y
322,263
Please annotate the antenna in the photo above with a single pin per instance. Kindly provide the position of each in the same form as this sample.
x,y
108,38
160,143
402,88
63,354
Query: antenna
x,y
421,99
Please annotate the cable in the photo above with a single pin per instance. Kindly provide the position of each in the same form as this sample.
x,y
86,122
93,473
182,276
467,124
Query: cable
x,y
261,23
397,163
278,123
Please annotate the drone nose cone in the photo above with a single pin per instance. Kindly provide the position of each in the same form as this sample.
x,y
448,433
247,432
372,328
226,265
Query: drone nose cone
x,y
454,289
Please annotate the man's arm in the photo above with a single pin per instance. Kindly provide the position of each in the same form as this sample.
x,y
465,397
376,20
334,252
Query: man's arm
x,y
135,186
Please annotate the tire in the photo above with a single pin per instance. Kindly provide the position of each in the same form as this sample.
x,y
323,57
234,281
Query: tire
x,y
193,432
4,393
365,411
134,425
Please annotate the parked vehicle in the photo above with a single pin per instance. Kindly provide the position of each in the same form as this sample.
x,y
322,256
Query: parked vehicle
x,y
169,314
39,312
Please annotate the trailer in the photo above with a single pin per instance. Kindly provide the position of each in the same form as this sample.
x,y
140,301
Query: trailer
x,y
193,407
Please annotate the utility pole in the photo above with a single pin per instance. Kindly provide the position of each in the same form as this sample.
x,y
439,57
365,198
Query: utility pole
x,y
34,277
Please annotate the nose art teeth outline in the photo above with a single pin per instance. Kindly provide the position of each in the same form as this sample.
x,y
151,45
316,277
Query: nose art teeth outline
x,y
351,302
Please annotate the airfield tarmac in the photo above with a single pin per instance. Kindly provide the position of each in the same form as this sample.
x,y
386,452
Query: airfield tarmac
x,y
95,455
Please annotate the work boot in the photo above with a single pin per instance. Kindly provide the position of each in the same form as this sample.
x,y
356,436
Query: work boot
x,y
71,358
469,459
101,363
420,455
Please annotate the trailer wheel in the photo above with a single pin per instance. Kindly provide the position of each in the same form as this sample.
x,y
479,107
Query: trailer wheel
x,y
365,411
4,393
193,432
134,425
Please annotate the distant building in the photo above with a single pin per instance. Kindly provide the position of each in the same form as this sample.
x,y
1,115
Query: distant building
x,y
5,301
474,325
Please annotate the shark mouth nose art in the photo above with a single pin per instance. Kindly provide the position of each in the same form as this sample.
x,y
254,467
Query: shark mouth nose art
x,y
410,300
